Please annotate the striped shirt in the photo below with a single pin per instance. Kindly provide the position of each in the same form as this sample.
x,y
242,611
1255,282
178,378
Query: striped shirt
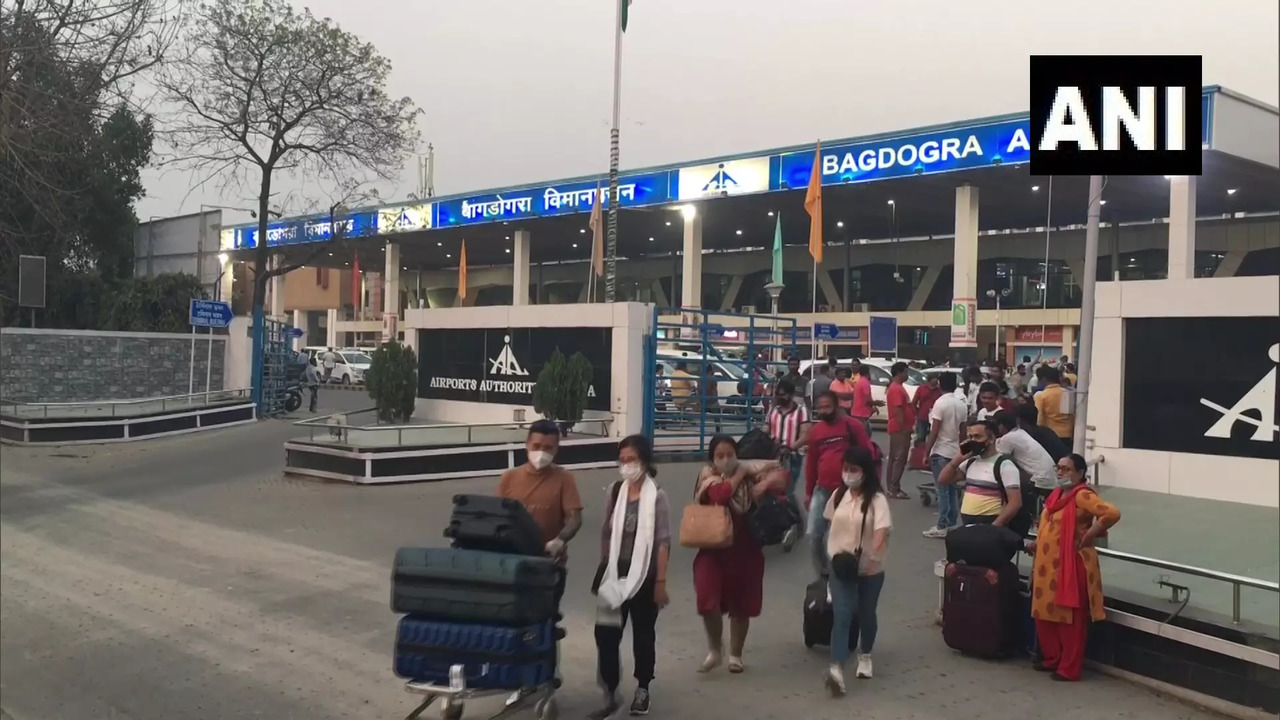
x,y
784,425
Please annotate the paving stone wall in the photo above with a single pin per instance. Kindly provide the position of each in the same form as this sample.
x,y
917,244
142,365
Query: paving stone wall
x,y
75,365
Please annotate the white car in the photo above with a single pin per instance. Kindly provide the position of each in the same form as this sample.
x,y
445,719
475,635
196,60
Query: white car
x,y
880,377
350,367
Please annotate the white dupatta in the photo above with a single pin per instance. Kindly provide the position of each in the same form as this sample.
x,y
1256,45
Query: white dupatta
x,y
613,590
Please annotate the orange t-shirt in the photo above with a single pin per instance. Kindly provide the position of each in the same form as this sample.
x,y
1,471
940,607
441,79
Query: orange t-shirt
x,y
549,495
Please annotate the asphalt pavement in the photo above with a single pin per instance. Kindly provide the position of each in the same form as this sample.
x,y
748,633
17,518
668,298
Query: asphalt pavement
x,y
185,577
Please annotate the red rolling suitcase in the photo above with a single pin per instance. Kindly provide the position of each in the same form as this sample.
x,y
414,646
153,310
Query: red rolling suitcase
x,y
980,609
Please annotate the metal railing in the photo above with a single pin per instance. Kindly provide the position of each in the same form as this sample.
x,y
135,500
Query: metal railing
x,y
337,426
1237,582
119,408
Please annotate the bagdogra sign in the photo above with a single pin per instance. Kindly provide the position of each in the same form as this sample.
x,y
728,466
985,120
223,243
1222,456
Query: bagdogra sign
x,y
502,365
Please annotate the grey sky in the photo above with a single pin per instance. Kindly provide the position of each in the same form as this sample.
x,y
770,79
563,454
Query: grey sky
x,y
519,90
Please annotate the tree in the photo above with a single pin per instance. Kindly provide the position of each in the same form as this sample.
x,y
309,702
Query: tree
x,y
560,393
258,88
392,381
72,142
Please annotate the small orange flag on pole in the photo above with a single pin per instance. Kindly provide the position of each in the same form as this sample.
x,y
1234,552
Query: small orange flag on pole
x,y
813,205
462,271
597,235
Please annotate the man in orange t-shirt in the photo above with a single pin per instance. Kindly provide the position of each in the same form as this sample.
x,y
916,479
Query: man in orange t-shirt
x,y
902,422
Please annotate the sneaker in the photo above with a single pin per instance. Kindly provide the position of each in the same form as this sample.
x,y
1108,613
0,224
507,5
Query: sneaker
x,y
790,538
640,704
935,532
864,665
611,707
835,680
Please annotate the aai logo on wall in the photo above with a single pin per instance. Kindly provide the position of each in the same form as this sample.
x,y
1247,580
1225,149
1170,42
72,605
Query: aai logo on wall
x,y
1116,115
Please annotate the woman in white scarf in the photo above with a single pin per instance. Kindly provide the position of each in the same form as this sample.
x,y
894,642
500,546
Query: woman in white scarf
x,y
631,582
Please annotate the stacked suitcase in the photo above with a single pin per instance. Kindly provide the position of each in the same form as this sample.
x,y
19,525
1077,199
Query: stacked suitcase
x,y
982,592
487,604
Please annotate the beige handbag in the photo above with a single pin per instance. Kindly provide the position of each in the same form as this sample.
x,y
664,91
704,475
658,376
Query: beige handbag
x,y
706,527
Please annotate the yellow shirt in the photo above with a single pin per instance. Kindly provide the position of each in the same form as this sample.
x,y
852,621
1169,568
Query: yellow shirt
x,y
681,384
1050,408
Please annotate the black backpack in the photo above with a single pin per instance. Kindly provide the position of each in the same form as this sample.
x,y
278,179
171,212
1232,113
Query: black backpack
x,y
1020,523
757,445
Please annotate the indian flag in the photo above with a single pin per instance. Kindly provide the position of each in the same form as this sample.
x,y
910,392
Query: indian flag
x,y
622,12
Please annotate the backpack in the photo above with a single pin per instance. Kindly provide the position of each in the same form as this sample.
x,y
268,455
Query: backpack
x,y
1020,523
757,445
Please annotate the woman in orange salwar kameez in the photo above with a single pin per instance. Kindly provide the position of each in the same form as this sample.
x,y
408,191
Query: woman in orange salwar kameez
x,y
1066,580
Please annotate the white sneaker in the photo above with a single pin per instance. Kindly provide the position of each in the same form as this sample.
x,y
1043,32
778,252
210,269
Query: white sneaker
x,y
835,680
864,666
935,532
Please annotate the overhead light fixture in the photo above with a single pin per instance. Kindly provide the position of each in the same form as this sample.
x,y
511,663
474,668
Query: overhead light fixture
x,y
1232,191
739,232
839,223
1102,202
507,237
448,255
668,223
1168,177
508,251
582,231
650,239
439,244
890,202
770,213
1035,188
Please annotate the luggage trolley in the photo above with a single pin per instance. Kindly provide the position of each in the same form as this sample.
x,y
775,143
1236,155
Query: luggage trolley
x,y
542,699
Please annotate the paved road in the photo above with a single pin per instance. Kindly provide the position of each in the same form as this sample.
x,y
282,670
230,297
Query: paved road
x,y
185,578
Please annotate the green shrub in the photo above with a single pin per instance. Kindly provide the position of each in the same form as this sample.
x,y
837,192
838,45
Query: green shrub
x,y
392,382
561,390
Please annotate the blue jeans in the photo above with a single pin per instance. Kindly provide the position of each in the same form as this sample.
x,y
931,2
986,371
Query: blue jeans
x,y
854,600
948,495
818,532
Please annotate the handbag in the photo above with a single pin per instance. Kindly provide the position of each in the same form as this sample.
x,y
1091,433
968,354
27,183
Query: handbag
x,y
706,527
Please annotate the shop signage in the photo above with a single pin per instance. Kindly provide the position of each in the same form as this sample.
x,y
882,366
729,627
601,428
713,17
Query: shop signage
x,y
961,149
1051,334
731,177
964,323
502,365
1220,399
561,199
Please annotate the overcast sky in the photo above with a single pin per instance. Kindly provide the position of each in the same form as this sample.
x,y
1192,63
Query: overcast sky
x,y
519,90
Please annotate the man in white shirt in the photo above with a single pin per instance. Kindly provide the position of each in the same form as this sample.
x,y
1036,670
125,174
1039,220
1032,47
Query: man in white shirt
x,y
330,362
948,414
1027,453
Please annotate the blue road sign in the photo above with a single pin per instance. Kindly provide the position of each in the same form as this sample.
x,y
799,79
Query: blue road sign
x,y
884,334
210,313
712,329
294,332
826,331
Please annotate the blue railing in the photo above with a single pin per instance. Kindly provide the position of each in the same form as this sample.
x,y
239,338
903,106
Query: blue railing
x,y
712,372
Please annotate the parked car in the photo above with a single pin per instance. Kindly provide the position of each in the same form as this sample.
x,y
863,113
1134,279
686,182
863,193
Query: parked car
x,y
350,367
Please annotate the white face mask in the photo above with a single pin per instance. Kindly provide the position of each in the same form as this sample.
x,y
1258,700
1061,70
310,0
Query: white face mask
x,y
631,472
539,459
853,480
726,467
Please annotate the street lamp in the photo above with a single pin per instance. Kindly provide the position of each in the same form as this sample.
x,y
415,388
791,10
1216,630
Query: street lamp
x,y
997,295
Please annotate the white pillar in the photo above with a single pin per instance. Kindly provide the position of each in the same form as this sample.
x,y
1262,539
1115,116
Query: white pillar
x,y
300,322
691,267
391,280
331,328
964,305
275,289
1182,227
227,282
520,268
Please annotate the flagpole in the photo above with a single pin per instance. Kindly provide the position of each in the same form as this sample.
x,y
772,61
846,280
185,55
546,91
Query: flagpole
x,y
611,254
813,336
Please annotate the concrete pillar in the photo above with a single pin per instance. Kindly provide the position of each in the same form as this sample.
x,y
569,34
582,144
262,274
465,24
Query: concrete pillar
x,y
227,282
275,289
922,291
1182,227
731,294
374,286
1230,263
331,328
520,268
691,267
391,283
1069,344
300,321
964,304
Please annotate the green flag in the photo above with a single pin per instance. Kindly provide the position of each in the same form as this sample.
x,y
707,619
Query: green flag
x,y
626,4
777,251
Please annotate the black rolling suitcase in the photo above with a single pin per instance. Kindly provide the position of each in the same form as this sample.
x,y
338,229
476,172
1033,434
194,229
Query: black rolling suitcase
x,y
493,524
981,609
456,585
819,617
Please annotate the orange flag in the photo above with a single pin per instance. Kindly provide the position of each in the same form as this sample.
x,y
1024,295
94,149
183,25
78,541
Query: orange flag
x,y
462,271
597,235
813,205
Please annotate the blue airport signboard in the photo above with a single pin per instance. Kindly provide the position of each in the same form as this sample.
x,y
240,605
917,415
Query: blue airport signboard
x,y
934,152
308,230
884,335
826,331
210,313
551,200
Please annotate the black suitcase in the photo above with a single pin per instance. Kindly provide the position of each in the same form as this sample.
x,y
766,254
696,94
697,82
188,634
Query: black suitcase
x,y
456,585
493,657
770,519
493,524
819,617
984,545
980,609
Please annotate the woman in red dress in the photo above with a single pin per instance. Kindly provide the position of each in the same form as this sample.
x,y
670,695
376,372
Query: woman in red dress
x,y
728,581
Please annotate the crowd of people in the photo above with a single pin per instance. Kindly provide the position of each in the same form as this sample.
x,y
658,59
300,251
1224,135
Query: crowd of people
x,y
981,436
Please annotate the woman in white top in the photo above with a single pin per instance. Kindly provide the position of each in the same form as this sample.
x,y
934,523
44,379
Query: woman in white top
x,y
857,543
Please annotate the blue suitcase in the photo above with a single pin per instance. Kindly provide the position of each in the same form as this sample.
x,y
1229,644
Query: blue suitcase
x,y
494,657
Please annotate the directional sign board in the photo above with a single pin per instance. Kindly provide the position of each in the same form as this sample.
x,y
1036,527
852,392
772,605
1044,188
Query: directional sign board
x,y
884,334
826,331
294,332
210,313
712,329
